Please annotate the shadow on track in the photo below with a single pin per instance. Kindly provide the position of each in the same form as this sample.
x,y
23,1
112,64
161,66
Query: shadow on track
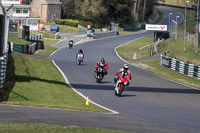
x,y
137,89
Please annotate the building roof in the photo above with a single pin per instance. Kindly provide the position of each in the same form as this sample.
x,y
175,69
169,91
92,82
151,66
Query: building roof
x,y
53,1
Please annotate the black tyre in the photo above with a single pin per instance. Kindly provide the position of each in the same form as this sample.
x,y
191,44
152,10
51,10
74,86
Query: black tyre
x,y
120,91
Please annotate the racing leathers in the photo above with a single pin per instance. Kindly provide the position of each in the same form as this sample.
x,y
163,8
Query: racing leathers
x,y
126,72
104,65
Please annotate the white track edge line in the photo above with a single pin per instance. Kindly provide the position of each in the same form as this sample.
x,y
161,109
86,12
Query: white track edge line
x,y
83,96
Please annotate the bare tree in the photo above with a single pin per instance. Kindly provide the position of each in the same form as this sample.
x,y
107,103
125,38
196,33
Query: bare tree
x,y
144,10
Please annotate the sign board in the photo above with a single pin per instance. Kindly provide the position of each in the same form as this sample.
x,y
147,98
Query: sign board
x,y
155,27
165,61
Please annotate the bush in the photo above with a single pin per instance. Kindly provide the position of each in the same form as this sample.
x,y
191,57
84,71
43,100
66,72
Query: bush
x,y
83,18
59,21
68,22
71,22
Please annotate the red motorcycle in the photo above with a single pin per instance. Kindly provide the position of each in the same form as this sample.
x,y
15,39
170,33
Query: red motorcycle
x,y
121,84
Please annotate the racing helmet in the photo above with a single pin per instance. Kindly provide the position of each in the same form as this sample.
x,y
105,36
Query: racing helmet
x,y
126,67
80,51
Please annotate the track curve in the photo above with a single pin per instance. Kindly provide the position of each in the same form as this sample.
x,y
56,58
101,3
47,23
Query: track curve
x,y
150,103
148,96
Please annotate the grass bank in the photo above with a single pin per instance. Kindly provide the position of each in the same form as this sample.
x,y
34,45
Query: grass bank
x,y
35,85
45,128
63,28
48,47
142,49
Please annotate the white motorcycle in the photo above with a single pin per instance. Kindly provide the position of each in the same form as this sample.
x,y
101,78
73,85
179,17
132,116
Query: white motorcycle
x,y
79,58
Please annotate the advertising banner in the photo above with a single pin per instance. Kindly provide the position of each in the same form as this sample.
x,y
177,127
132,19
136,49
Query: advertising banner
x,y
155,27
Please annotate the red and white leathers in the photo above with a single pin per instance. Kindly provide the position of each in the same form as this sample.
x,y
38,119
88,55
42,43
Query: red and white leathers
x,y
126,72
105,65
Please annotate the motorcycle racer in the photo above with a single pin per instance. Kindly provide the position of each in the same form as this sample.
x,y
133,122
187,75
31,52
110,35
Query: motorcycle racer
x,y
102,63
125,71
71,42
80,52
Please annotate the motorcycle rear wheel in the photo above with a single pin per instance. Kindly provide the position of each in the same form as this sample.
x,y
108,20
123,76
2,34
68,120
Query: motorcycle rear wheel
x,y
120,90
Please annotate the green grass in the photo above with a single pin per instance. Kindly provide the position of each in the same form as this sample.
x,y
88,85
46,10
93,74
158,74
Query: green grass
x,y
48,48
155,67
34,84
190,16
19,41
64,28
160,17
45,128
140,47
177,50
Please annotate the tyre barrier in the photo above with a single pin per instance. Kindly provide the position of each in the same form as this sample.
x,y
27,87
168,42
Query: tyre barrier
x,y
26,49
36,37
188,69
3,66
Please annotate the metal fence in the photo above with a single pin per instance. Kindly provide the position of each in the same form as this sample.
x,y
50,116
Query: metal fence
x,y
188,69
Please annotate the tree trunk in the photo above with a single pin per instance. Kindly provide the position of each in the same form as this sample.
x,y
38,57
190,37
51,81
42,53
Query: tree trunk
x,y
138,6
144,10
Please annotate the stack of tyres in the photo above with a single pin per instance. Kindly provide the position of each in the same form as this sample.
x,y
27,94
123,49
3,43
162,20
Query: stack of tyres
x,y
17,48
25,49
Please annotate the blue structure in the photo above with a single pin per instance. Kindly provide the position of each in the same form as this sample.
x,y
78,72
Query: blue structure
x,y
54,28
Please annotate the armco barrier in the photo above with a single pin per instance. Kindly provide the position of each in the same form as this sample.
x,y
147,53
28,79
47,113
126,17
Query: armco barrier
x,y
3,66
190,70
102,35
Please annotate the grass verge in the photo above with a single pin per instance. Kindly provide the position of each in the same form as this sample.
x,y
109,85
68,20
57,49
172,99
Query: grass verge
x,y
141,46
190,15
64,28
36,85
48,48
45,128
136,49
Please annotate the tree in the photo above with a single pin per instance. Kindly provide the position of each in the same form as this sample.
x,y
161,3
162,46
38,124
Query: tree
x,y
67,8
118,10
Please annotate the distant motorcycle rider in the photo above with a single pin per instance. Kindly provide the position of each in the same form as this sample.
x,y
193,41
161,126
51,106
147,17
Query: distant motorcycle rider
x,y
125,71
79,52
102,63
71,42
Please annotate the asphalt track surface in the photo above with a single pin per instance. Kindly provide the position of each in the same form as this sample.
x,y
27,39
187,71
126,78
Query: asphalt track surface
x,y
150,103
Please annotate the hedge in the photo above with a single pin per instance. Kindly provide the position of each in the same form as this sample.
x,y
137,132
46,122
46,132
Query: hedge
x,y
74,23
68,22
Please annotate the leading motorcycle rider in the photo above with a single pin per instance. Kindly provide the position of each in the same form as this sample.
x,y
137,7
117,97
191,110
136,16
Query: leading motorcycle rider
x,y
125,71
103,63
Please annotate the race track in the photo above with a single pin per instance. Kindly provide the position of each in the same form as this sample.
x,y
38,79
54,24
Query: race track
x,y
150,103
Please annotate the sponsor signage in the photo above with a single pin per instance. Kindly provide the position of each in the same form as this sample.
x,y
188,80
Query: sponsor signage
x,y
155,27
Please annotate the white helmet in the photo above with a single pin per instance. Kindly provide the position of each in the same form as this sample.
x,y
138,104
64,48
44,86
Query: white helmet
x,y
126,67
